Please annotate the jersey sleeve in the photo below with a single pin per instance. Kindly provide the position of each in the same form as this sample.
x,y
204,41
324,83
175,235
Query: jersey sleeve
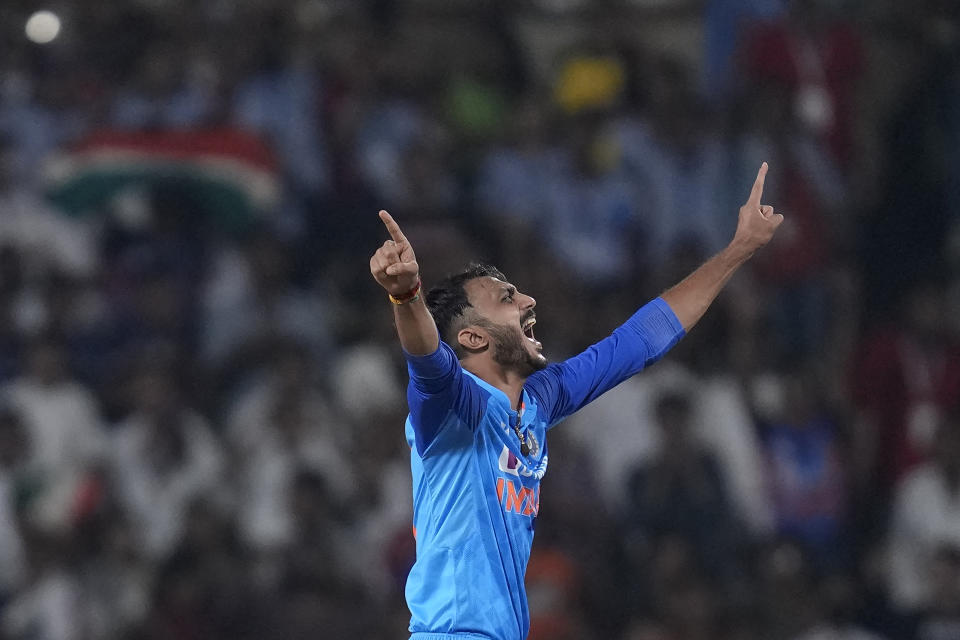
x,y
438,388
565,387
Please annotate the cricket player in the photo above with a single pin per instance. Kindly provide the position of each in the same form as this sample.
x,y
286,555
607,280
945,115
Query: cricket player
x,y
482,398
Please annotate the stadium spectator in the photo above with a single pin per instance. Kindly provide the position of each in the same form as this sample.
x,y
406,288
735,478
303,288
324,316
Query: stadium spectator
x,y
925,515
806,470
49,605
811,187
259,301
14,472
940,619
671,154
681,492
47,239
64,426
279,427
164,457
906,375
818,56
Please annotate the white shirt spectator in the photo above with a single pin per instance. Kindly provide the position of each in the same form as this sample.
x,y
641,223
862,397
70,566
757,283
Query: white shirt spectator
x,y
49,609
926,515
236,315
63,422
378,526
619,431
365,383
157,498
272,453
45,237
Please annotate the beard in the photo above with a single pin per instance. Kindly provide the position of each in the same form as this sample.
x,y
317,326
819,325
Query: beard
x,y
510,351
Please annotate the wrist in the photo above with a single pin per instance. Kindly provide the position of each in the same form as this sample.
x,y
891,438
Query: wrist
x,y
407,296
738,251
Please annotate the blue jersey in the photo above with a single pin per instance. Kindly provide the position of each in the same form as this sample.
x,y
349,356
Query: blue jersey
x,y
475,495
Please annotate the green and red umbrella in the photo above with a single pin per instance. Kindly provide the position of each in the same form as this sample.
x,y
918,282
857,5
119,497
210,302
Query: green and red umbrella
x,y
230,174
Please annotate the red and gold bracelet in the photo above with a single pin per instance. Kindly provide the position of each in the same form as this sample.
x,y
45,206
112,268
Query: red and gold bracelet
x,y
409,296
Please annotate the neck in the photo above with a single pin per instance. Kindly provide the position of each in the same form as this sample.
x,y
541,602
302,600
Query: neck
x,y
507,380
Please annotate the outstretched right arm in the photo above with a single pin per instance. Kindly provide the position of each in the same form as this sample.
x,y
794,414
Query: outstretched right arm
x,y
437,383
394,266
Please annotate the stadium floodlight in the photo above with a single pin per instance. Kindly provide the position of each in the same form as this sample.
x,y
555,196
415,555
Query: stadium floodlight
x,y
42,27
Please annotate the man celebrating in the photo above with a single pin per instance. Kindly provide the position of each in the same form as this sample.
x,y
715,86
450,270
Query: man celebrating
x,y
482,398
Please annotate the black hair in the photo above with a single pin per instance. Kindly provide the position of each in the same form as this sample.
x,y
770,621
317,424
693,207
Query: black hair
x,y
448,301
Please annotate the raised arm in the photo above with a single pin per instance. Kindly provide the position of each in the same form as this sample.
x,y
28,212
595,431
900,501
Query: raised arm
x,y
653,330
438,387
690,298
394,266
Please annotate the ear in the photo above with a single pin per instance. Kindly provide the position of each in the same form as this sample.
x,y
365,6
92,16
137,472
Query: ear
x,y
473,338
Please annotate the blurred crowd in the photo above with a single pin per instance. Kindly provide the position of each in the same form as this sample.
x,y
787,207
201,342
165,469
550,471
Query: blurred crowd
x,y
201,424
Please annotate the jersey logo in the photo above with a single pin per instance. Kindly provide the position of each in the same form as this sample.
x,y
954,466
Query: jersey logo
x,y
509,463
526,501
534,445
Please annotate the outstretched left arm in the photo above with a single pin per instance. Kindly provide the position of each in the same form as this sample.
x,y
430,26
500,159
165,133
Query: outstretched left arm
x,y
565,387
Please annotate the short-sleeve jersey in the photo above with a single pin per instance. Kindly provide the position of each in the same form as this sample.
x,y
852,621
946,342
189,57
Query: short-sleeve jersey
x,y
475,495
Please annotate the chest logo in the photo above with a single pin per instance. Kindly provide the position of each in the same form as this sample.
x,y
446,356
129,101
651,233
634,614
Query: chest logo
x,y
534,445
510,463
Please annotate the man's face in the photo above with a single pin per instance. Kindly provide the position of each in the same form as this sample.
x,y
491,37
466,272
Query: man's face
x,y
508,318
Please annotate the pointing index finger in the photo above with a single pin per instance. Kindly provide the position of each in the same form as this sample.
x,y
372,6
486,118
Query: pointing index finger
x,y
392,227
757,192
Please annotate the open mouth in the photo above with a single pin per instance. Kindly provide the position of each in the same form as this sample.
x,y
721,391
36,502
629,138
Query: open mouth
x,y
527,328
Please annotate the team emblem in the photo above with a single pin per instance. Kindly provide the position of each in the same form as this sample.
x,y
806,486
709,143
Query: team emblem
x,y
534,445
